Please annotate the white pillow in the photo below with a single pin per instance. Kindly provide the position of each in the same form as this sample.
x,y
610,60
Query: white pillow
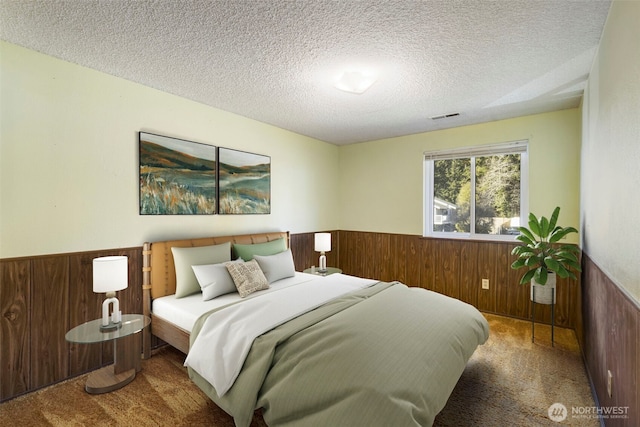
x,y
184,258
278,266
214,280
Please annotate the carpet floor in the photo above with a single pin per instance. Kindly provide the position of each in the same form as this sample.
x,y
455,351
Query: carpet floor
x,y
509,381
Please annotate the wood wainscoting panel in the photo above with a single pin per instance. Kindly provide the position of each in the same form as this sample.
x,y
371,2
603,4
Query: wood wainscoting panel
x,y
596,326
50,320
424,264
302,250
358,255
487,300
84,306
41,298
398,257
568,313
386,266
130,302
453,267
413,270
15,328
449,272
511,295
469,266
304,255
623,352
610,341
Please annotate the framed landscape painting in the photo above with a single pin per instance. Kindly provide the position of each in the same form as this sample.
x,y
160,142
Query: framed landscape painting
x,y
244,181
177,177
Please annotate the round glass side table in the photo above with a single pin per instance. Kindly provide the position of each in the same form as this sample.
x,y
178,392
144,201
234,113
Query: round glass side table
x,y
328,271
124,368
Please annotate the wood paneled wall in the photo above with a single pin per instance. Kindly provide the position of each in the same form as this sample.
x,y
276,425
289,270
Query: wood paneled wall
x,y
454,268
304,256
610,340
41,298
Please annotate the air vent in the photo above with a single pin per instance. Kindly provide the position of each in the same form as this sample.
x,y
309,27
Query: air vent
x,y
445,116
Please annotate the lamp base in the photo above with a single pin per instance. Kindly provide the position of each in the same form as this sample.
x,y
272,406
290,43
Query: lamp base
x,y
323,263
110,327
110,323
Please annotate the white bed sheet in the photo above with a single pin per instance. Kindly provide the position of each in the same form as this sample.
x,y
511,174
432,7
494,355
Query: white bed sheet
x,y
226,337
184,312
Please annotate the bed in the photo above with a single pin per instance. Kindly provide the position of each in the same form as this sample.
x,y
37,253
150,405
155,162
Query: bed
x,y
308,349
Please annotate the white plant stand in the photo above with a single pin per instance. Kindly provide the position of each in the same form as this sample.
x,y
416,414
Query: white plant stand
x,y
548,296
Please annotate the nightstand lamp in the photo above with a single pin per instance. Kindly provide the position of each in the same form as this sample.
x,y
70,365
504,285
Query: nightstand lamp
x,y
110,274
322,244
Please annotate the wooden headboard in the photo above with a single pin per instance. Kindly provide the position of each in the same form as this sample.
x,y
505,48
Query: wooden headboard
x,y
159,278
159,273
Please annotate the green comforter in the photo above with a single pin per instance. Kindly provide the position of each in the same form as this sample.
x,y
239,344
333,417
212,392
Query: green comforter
x,y
385,355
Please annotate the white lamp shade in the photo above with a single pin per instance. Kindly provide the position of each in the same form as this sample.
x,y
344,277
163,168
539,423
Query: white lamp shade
x,y
110,274
322,242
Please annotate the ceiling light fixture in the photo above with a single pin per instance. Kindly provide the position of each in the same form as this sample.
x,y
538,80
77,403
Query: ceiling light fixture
x,y
355,82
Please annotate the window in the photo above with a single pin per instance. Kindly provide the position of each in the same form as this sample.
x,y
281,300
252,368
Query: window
x,y
478,192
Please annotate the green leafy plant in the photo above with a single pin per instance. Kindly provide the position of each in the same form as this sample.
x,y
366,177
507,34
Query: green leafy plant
x,y
541,253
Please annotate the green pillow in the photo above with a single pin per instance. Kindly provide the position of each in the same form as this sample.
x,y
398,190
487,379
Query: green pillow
x,y
246,252
184,258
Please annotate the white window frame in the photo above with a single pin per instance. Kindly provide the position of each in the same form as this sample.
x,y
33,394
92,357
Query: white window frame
x,y
514,147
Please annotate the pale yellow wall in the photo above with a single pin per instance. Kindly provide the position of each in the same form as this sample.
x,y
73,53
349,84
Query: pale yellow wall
x,y
610,190
69,161
69,165
382,181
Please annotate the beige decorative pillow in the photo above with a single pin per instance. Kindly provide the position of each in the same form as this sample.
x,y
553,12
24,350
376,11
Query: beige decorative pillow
x,y
247,277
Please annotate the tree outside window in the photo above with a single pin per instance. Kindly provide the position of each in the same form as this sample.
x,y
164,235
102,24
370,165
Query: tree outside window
x,y
475,193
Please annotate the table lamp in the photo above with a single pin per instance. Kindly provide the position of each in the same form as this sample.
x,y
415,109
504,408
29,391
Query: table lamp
x,y
322,244
110,274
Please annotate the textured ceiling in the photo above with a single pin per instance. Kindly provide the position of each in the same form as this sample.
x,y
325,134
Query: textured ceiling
x,y
275,61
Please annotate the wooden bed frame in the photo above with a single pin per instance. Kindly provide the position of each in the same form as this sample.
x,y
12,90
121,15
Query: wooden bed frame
x,y
159,279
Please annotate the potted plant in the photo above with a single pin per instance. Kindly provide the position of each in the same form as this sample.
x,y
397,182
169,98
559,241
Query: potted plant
x,y
544,257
